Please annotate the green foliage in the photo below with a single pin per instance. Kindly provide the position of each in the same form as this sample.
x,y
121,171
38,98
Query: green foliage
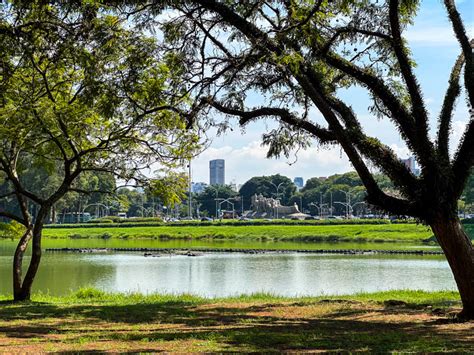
x,y
468,194
268,186
89,293
207,199
171,188
85,99
285,231
11,229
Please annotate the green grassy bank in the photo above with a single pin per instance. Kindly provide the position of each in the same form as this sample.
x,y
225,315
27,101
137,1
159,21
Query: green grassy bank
x,y
94,321
347,233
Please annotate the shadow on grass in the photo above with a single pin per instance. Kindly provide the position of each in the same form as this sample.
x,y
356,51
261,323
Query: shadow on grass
x,y
249,328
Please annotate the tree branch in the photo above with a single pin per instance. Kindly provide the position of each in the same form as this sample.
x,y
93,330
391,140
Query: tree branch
x,y
324,135
376,151
444,121
466,47
13,217
464,158
418,106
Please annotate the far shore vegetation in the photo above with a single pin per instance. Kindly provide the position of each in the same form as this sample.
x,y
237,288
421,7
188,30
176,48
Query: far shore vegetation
x,y
391,321
407,233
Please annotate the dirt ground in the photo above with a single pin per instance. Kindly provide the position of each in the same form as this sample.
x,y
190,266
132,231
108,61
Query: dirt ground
x,y
255,326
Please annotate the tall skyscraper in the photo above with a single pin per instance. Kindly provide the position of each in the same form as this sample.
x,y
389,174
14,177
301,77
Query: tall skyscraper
x,y
410,163
217,172
299,182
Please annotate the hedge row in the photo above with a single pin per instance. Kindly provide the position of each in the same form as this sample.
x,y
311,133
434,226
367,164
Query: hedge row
x,y
124,224
120,220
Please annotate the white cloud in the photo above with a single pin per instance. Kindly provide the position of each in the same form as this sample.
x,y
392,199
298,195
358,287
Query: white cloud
x,y
250,160
457,132
431,36
401,150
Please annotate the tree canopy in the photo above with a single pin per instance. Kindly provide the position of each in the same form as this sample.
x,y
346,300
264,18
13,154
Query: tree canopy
x,y
298,56
80,92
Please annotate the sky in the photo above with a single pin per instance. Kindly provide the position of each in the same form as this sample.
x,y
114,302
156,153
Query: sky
x,y
434,49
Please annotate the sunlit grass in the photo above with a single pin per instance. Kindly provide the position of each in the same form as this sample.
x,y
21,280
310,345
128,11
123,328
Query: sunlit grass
x,y
301,233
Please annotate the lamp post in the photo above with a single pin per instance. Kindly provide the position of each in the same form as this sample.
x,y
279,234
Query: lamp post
x,y
345,205
277,187
357,203
107,208
228,201
330,207
216,189
315,205
190,213
348,201
319,207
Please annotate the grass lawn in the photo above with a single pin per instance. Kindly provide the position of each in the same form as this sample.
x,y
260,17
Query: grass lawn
x,y
347,233
89,320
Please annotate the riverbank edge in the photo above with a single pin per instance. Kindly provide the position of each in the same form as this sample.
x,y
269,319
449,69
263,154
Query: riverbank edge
x,y
90,295
198,251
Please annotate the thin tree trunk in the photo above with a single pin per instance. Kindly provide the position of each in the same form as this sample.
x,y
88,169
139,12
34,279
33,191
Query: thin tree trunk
x,y
459,252
18,262
53,214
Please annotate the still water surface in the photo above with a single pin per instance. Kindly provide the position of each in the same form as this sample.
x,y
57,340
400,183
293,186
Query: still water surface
x,y
217,275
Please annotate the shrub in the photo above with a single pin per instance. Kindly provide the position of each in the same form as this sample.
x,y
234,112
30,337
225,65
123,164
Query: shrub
x,y
12,229
89,293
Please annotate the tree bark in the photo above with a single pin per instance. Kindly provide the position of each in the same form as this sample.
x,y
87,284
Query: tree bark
x,y
18,262
459,253
22,289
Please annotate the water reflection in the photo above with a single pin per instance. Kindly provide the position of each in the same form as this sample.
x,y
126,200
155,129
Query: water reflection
x,y
217,275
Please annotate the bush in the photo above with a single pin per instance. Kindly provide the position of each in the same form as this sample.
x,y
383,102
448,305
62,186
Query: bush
x,y
12,229
468,221
89,293
101,220
76,236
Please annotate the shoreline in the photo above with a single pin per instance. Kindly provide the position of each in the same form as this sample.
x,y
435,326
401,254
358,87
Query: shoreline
x,y
179,251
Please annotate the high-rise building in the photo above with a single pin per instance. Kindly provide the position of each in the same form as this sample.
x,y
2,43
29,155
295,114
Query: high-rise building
x,y
198,187
217,172
410,163
299,182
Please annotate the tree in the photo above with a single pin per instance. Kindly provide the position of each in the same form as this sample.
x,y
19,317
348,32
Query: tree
x,y
301,56
276,186
79,93
207,199
312,183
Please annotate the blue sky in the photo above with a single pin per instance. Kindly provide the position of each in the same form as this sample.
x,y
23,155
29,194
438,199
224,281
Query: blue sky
x,y
434,48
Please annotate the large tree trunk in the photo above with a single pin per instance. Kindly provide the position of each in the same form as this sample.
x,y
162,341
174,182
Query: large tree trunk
x,y
18,262
460,255
22,289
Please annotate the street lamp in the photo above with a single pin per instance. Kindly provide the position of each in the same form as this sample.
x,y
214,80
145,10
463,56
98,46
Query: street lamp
x,y
190,188
345,205
216,189
228,201
357,203
277,187
315,205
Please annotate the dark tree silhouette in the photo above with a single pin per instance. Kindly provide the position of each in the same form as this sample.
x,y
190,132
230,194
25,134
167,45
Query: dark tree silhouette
x,y
299,56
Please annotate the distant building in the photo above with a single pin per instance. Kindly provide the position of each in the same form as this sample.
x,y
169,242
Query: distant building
x,y
198,187
217,172
299,182
410,163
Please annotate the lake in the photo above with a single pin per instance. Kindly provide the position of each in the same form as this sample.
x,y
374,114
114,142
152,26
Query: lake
x,y
219,274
